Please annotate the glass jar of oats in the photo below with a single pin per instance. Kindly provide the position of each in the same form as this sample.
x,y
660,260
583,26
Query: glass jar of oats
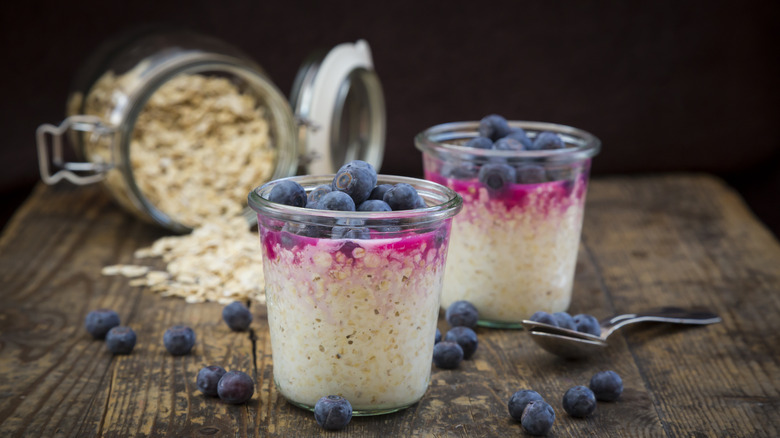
x,y
179,127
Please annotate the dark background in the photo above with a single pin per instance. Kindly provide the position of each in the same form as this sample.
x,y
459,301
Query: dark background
x,y
666,85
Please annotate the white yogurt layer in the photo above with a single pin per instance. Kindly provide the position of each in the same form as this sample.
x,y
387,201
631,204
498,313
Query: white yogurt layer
x,y
359,323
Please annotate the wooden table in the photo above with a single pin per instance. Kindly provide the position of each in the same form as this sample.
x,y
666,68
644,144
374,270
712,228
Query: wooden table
x,y
681,240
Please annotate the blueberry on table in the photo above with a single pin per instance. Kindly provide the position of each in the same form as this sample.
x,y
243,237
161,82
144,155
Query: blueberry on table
x,y
333,412
336,200
494,127
507,144
520,400
564,320
462,313
606,385
548,140
237,316
587,324
401,196
379,191
480,143
465,337
544,318
497,176
99,322
538,418
288,193
317,193
447,355
179,340
120,340
357,182
530,174
374,205
520,135
235,387
579,401
208,379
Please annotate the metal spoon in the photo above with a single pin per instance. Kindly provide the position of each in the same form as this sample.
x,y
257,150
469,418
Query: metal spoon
x,y
572,344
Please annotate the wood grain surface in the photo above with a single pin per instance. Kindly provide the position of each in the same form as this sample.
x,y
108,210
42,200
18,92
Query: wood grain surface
x,y
685,240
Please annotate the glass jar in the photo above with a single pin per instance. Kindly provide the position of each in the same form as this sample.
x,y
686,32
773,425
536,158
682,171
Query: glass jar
x,y
180,126
514,247
354,314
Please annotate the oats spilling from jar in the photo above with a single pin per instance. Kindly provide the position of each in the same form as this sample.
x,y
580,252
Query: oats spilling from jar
x,y
198,147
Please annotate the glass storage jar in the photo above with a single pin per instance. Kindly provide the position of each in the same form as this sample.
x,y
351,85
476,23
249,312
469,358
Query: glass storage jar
x,y
174,123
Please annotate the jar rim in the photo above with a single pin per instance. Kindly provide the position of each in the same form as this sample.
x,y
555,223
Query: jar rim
x,y
446,203
438,141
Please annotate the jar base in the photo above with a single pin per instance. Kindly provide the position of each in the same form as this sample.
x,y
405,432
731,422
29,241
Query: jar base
x,y
359,412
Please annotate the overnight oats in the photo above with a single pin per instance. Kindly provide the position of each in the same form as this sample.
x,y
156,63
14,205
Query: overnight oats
x,y
354,267
514,246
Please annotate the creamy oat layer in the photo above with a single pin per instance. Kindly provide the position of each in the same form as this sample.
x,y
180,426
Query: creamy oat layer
x,y
356,320
514,254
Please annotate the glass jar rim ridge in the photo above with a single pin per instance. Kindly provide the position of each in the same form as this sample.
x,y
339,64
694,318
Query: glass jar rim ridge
x,y
446,204
438,141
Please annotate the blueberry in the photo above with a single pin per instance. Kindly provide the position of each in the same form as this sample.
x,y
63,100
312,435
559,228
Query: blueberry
x,y
462,313
480,143
301,230
348,232
560,173
120,340
494,127
333,412
179,340
587,324
208,379
606,385
564,320
520,400
288,193
379,191
507,144
437,338
401,196
235,387
520,135
357,182
459,170
579,401
318,192
538,418
530,174
374,205
237,316
99,322
496,176
447,355
361,164
336,200
548,140
420,203
544,318
465,337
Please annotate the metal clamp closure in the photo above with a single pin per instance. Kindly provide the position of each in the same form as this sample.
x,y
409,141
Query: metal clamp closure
x,y
80,123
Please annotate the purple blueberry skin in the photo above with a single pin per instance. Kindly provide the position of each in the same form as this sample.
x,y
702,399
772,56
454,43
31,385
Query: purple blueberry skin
x,y
494,127
379,191
530,174
480,143
401,197
538,418
520,400
544,318
317,193
237,316
587,324
462,313
548,140
497,176
437,337
179,340
337,201
508,144
459,170
120,340
288,193
235,387
579,401
520,135
99,322
606,385
333,412
374,205
465,337
447,355
564,320
357,182
208,379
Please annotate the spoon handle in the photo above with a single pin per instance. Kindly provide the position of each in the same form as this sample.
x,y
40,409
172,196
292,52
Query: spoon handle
x,y
673,315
